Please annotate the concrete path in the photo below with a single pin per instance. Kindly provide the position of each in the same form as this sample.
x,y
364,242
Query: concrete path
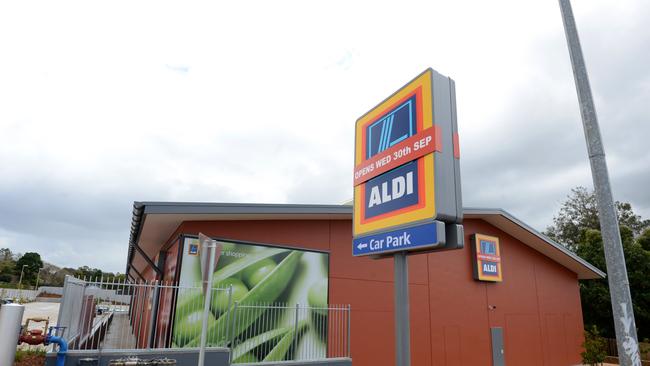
x,y
119,335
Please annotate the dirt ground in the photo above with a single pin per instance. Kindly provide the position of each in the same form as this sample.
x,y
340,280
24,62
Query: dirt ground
x,y
31,360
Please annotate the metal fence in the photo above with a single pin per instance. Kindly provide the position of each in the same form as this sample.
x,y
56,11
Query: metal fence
x,y
109,315
275,332
16,294
612,350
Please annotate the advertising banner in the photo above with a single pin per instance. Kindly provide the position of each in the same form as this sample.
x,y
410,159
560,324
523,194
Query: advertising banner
x,y
260,276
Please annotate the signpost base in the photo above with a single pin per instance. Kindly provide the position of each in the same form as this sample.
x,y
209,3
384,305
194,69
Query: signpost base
x,y
402,320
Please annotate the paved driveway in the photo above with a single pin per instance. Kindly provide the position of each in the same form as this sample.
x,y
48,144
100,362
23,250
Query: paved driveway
x,y
41,310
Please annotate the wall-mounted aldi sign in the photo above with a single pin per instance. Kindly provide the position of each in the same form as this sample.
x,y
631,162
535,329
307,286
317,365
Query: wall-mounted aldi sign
x,y
486,257
407,170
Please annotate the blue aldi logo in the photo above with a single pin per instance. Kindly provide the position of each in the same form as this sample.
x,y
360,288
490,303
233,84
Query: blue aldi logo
x,y
396,126
490,268
398,188
392,191
193,249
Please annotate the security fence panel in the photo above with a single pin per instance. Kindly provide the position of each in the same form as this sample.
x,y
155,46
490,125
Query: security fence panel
x,y
109,315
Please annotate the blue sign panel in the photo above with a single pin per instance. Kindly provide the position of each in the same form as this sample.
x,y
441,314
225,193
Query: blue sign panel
x,y
391,191
488,247
490,268
392,128
416,237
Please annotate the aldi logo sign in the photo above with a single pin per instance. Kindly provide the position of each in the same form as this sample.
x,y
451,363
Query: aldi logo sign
x,y
394,173
392,191
406,172
486,258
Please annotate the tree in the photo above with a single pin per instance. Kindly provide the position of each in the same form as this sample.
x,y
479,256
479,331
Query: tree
x,y
88,273
579,213
7,265
644,240
33,262
594,348
6,255
577,225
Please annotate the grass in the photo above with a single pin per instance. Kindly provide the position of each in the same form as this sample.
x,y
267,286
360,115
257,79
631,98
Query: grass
x,y
22,353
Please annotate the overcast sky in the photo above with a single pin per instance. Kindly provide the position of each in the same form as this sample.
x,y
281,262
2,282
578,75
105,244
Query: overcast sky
x,y
106,103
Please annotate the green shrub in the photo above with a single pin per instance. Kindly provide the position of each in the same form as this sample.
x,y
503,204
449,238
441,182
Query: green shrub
x,y
595,351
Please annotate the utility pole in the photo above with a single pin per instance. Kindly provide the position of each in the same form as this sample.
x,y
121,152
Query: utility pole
x,y
619,287
402,319
20,282
37,277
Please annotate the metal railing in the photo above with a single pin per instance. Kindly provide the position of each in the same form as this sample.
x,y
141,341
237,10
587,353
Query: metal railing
x,y
17,294
279,331
108,315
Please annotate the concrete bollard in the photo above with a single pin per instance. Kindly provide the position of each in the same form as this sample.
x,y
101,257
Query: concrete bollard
x,y
11,316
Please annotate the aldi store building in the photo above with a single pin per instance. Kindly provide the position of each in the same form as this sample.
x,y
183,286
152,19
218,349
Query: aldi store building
x,y
518,294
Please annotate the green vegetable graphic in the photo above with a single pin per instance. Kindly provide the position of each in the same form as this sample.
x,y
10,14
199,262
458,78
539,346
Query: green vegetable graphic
x,y
250,319
317,297
220,299
268,289
253,274
189,326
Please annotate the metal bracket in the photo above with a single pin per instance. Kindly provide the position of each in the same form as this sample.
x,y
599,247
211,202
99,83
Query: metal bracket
x,y
146,258
138,273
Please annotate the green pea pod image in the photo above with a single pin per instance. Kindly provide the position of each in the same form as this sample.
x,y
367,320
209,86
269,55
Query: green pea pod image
x,y
317,297
189,302
279,352
245,348
247,358
238,266
188,327
281,340
266,291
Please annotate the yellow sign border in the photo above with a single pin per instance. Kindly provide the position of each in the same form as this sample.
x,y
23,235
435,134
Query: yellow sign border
x,y
427,211
477,241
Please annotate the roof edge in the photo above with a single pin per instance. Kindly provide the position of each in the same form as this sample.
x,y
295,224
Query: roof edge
x,y
141,208
556,245
245,208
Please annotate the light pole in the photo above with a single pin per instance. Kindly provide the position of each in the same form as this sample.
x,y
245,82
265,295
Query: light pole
x,y
20,282
37,275
624,325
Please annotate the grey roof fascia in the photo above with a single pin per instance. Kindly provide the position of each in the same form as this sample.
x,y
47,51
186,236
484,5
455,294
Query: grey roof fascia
x,y
141,209
242,208
556,245
136,225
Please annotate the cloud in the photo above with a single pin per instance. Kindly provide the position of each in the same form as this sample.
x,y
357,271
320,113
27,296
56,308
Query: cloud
x,y
181,69
212,102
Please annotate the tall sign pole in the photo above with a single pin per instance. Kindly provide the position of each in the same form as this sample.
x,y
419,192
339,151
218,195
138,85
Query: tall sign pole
x,y
407,195
402,318
619,288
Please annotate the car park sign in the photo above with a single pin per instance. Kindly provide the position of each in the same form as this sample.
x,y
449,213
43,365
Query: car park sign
x,y
406,170
416,238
